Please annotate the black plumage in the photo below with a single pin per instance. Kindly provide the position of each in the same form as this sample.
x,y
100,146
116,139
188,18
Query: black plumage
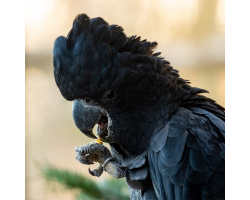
x,y
169,136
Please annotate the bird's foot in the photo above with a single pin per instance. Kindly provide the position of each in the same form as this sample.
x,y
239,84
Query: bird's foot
x,y
93,152
96,152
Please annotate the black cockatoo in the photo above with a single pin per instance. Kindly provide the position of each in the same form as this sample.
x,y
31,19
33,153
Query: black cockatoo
x,y
167,140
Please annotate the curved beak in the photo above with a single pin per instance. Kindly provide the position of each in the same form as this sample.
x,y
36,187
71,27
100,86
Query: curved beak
x,y
85,117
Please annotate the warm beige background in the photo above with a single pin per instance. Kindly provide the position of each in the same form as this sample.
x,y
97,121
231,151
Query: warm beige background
x,y
190,34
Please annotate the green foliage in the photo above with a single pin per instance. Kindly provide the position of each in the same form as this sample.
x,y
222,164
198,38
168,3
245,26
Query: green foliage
x,y
111,189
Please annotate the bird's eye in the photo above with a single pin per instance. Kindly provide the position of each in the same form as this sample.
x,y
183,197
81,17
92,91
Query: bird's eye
x,y
87,100
110,95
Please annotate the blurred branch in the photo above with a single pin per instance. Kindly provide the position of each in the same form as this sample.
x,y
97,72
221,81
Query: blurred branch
x,y
111,189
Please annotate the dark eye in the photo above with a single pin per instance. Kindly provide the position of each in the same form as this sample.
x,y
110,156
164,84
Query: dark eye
x,y
87,100
110,95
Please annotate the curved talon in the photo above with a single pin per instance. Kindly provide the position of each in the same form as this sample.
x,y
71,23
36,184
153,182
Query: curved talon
x,y
96,172
92,173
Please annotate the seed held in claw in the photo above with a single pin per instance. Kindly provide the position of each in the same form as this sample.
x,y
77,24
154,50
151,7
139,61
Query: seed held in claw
x,y
98,141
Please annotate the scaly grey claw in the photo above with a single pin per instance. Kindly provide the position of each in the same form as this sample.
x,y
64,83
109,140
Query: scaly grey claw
x,y
96,172
77,149
83,159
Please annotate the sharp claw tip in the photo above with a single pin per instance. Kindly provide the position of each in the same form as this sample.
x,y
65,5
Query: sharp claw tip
x,y
92,173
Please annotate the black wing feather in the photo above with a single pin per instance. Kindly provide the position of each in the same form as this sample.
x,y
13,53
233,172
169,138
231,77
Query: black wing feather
x,y
189,156
171,155
159,140
197,161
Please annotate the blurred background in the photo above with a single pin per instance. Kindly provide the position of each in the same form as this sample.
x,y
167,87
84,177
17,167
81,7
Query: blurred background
x,y
190,34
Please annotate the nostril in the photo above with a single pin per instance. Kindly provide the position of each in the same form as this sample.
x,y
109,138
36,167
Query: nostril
x,y
87,100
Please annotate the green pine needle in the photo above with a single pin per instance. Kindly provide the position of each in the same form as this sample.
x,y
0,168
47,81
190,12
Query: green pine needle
x,y
111,189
